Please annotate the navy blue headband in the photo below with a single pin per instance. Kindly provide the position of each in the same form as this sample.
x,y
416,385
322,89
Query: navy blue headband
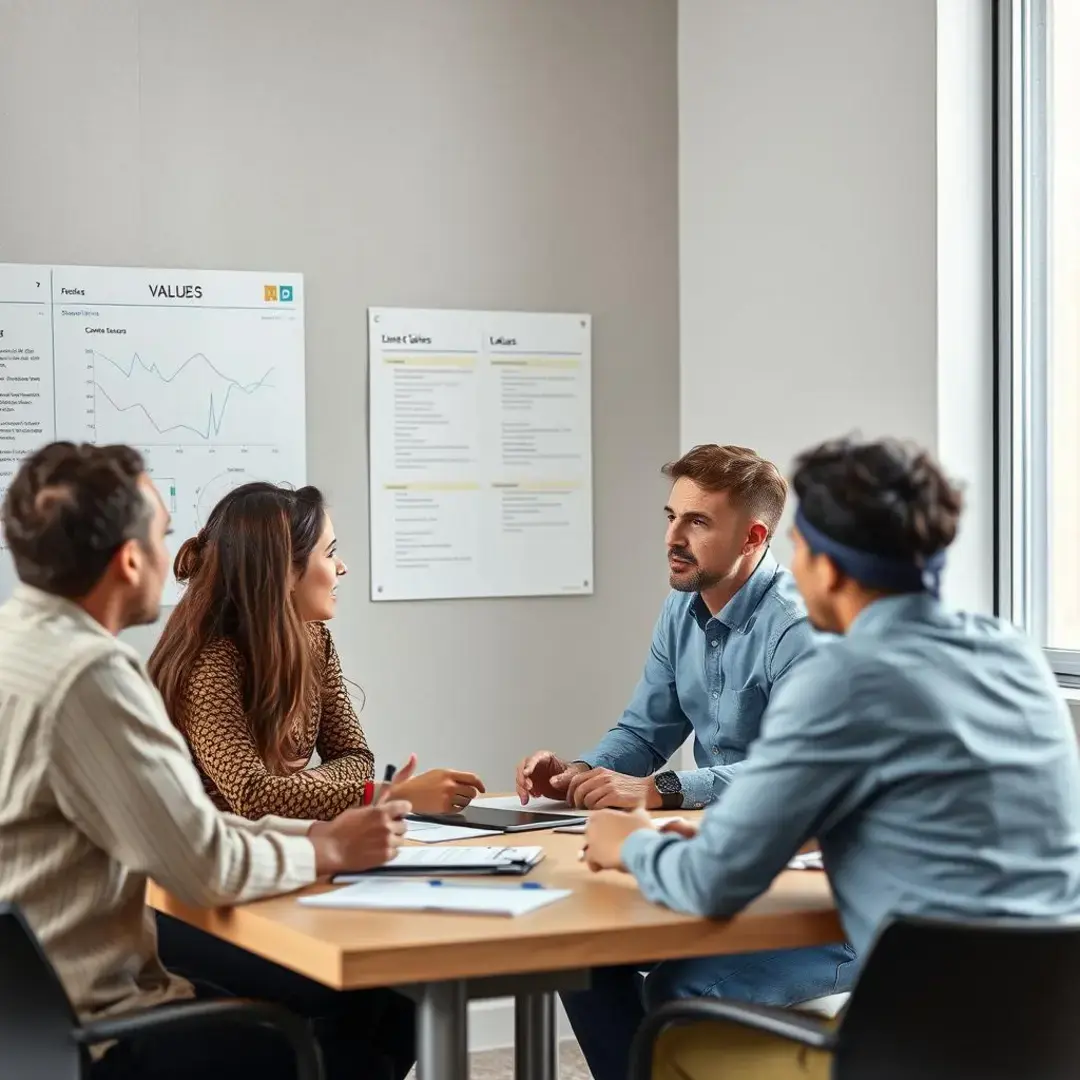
x,y
875,571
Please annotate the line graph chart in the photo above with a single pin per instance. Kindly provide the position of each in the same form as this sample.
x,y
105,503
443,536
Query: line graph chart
x,y
211,394
217,400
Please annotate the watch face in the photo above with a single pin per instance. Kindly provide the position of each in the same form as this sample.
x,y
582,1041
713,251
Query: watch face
x,y
667,783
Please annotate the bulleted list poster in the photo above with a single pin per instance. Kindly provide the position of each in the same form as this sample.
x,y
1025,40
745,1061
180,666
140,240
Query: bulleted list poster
x,y
480,454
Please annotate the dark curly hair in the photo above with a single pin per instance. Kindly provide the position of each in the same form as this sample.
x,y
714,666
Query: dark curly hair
x,y
886,497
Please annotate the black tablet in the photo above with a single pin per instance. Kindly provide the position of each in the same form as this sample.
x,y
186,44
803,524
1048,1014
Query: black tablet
x,y
486,817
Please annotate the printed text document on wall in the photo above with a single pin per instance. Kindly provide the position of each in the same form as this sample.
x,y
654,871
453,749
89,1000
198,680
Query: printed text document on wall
x,y
480,454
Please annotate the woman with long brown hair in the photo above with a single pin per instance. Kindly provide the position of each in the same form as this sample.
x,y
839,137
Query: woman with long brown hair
x,y
249,672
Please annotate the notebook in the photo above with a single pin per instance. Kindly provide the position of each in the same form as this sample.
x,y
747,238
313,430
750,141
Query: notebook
x,y
408,862
386,894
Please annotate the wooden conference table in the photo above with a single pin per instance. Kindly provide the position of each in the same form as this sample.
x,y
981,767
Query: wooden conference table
x,y
443,960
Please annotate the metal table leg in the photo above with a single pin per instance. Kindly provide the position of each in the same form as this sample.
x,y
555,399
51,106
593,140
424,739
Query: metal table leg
x,y
536,1049
442,1042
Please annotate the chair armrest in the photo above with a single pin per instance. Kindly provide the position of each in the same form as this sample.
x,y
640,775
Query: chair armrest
x,y
194,1016
783,1023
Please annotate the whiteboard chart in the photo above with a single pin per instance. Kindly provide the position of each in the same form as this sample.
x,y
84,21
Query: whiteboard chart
x,y
201,371
480,454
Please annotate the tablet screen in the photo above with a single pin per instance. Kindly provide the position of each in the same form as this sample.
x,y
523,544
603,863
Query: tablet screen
x,y
484,817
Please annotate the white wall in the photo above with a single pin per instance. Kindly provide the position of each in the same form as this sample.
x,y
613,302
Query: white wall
x,y
809,200
480,153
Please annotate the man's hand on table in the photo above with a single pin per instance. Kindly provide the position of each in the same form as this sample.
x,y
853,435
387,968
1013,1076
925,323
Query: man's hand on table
x,y
606,832
364,837
680,827
544,775
359,839
602,789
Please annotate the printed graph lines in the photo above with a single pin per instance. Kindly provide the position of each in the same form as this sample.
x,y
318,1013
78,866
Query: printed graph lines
x,y
218,402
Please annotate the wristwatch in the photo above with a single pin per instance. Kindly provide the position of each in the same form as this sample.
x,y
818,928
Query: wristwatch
x,y
670,788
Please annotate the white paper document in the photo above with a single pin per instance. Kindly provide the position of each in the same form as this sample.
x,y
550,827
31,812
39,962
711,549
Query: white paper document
x,y
480,454
382,894
431,832
512,802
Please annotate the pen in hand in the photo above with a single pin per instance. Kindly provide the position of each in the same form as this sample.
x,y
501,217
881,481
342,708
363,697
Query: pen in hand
x,y
404,773
384,791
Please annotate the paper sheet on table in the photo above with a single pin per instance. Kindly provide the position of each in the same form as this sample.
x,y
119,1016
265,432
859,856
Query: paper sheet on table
x,y
808,860
397,895
512,802
431,832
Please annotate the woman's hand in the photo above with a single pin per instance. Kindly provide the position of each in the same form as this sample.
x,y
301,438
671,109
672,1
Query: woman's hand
x,y
439,791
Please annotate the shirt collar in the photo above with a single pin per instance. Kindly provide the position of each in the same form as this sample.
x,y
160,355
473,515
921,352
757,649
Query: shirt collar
x,y
739,610
877,618
57,605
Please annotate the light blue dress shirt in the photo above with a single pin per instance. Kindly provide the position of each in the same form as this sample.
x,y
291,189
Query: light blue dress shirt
x,y
932,755
710,675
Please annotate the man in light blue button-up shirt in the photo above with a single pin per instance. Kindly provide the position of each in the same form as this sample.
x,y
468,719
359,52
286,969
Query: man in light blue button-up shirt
x,y
728,633
928,751
732,629
710,675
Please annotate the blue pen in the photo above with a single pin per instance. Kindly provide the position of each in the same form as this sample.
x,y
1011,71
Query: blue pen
x,y
521,885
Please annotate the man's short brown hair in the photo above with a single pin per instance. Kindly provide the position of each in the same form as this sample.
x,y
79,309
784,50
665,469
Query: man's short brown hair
x,y
753,484
68,510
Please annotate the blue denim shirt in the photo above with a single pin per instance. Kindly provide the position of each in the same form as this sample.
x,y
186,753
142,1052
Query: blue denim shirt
x,y
712,675
931,754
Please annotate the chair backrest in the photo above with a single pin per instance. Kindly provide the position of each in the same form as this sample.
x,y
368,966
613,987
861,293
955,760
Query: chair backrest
x,y
995,999
36,1018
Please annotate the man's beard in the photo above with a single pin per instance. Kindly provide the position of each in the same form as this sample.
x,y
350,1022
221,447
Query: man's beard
x,y
694,581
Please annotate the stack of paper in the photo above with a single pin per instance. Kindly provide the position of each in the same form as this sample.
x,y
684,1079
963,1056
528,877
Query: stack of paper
x,y
389,895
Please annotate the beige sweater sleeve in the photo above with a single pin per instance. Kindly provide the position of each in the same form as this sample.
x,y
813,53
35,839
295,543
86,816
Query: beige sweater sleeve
x,y
122,772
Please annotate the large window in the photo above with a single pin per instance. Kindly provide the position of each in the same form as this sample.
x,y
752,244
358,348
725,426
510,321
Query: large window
x,y
1038,200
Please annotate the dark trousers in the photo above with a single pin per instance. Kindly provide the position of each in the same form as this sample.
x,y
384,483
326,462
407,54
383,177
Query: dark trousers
x,y
363,1034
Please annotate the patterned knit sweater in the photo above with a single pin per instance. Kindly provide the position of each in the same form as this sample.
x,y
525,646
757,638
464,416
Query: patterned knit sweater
x,y
224,750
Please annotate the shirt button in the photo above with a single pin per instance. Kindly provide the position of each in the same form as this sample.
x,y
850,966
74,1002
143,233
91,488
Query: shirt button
x,y
714,642
715,695
716,749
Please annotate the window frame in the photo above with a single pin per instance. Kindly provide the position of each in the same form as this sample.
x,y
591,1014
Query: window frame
x,y
1023,320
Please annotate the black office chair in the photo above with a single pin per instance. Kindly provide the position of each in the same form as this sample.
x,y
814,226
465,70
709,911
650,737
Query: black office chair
x,y
994,999
42,1039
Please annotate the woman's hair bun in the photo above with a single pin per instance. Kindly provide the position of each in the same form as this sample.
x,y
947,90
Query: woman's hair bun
x,y
189,557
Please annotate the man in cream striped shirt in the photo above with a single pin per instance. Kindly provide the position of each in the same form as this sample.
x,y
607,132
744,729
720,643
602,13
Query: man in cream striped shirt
x,y
97,791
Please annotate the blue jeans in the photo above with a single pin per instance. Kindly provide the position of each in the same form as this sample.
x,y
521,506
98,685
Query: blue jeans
x,y
606,1017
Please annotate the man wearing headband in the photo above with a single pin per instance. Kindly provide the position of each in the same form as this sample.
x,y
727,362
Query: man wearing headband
x,y
730,633
918,737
